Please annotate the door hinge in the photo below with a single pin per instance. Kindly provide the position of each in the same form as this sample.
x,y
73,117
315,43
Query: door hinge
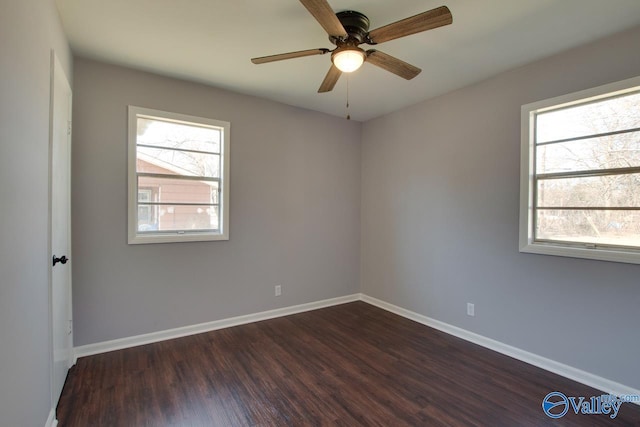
x,y
70,329
69,127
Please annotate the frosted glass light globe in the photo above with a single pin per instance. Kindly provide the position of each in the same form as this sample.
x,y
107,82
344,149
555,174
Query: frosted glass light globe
x,y
348,60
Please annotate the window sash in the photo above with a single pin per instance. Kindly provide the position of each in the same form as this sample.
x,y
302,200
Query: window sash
x,y
536,207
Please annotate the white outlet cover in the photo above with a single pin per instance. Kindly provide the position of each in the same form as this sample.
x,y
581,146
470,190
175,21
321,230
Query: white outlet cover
x,y
471,309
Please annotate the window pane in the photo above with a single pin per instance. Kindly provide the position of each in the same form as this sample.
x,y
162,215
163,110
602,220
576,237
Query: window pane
x,y
603,116
177,135
146,215
616,151
599,227
171,162
595,191
181,218
168,190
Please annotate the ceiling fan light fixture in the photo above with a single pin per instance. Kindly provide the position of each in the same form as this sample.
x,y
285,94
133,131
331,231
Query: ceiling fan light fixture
x,y
348,60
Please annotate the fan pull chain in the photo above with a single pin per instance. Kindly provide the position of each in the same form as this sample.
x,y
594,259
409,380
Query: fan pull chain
x,y
348,115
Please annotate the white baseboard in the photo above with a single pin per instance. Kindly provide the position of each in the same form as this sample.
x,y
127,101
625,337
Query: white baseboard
x,y
134,341
567,371
51,419
570,372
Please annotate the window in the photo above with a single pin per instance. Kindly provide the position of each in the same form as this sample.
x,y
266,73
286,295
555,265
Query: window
x,y
178,177
580,174
146,215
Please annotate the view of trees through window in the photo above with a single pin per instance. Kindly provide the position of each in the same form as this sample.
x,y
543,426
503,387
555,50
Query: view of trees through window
x,y
587,172
178,176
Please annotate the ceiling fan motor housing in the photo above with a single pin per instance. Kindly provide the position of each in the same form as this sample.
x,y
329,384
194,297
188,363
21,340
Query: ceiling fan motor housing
x,y
357,26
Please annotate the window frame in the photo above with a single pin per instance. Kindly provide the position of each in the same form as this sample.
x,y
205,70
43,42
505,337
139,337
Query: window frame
x,y
527,241
134,237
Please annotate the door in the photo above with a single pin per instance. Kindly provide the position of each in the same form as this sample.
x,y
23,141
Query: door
x,y
60,227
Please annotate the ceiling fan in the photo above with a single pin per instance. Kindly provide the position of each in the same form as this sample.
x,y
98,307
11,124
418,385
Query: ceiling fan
x,y
349,29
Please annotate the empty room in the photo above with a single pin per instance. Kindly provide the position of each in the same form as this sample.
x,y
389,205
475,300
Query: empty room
x,y
320,212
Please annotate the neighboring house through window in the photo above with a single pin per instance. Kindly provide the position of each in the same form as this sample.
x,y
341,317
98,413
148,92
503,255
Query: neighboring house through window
x,y
178,177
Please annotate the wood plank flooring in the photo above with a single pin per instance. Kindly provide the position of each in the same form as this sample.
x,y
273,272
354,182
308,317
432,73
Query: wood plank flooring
x,y
348,365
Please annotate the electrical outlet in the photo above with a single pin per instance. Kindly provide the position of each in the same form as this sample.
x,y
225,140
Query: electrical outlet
x,y
278,290
471,309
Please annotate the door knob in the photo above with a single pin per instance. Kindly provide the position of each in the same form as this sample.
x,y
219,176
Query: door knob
x,y
62,260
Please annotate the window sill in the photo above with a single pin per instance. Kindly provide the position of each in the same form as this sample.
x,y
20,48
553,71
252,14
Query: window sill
x,y
176,238
601,254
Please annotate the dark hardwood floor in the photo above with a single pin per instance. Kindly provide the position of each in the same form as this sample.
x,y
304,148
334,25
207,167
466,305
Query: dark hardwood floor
x,y
347,365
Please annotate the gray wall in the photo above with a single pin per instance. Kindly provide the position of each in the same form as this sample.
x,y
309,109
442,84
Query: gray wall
x,y
440,188
29,29
295,211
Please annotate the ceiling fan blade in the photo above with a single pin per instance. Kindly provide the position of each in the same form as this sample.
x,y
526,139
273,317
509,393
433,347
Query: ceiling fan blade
x,y
289,55
392,64
429,20
330,79
321,10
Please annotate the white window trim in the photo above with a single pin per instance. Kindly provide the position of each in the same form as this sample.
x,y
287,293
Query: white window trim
x,y
527,153
175,237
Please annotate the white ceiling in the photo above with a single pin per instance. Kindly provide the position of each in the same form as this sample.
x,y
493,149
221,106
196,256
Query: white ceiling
x,y
212,41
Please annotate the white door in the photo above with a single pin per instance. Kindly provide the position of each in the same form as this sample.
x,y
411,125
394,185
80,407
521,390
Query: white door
x,y
60,297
